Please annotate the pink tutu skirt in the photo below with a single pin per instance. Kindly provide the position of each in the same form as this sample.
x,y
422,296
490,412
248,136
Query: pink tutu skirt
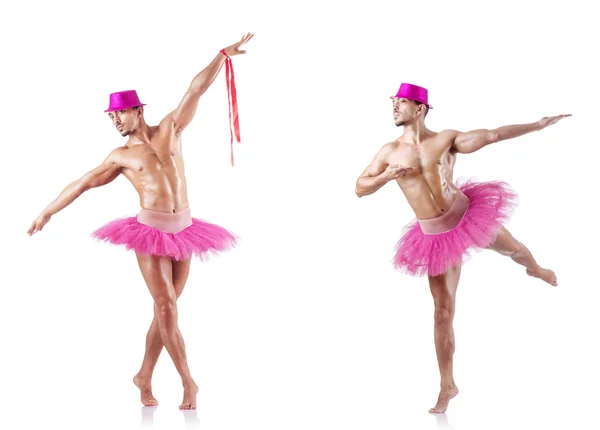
x,y
198,238
488,206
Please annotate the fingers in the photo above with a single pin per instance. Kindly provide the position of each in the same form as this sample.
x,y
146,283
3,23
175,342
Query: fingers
x,y
555,119
33,229
397,172
550,120
246,38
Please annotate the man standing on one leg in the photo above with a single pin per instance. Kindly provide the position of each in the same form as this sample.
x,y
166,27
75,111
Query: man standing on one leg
x,y
450,220
163,235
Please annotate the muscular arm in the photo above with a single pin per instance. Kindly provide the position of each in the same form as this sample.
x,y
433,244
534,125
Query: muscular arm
x,y
471,141
101,175
371,179
183,115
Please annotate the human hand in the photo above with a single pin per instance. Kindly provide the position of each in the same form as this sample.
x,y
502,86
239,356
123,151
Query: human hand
x,y
549,120
38,223
395,171
234,49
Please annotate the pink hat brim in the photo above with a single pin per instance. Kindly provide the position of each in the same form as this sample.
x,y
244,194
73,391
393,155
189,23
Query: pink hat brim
x,y
429,106
123,107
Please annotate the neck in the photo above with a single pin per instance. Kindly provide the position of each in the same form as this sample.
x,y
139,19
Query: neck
x,y
414,132
141,134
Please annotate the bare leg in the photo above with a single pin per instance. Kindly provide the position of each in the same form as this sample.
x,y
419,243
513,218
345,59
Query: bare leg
x,y
443,288
154,343
506,244
158,274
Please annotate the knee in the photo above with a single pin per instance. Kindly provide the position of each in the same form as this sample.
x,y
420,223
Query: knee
x,y
515,250
165,305
443,314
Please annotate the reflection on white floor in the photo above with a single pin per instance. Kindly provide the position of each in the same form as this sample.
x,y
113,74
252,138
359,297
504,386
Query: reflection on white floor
x,y
442,422
148,416
190,417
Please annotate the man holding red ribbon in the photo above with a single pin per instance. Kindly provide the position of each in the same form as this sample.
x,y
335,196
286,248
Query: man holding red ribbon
x,y
164,236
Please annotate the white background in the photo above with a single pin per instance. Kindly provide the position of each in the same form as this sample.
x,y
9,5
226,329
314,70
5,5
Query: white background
x,y
305,325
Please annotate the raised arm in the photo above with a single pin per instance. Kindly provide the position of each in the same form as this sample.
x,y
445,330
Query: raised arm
x,y
379,172
471,141
101,175
183,115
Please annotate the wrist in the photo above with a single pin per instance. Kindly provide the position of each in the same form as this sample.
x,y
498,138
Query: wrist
x,y
222,51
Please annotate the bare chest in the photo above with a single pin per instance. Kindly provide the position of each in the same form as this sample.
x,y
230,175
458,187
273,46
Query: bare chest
x,y
148,159
423,159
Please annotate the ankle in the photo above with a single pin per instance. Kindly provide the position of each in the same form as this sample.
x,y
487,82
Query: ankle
x,y
189,383
144,376
447,385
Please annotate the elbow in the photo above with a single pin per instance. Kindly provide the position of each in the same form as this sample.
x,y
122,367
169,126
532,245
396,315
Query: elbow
x,y
84,187
197,89
361,190
492,137
87,182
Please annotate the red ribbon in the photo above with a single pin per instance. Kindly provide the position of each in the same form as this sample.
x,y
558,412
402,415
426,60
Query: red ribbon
x,y
232,99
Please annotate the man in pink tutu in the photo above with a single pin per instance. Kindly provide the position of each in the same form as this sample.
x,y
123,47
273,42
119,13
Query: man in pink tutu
x,y
164,236
450,220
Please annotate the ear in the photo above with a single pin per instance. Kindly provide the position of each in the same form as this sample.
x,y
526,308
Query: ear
x,y
140,112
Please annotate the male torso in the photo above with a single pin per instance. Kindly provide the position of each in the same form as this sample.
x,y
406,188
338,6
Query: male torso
x,y
156,169
428,188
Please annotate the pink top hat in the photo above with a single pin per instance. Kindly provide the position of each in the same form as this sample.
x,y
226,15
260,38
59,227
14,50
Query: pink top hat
x,y
124,100
413,92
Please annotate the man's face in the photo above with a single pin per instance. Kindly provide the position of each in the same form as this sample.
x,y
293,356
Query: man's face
x,y
125,121
405,110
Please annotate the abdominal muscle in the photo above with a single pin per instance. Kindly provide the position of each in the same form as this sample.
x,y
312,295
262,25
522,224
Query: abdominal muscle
x,y
428,197
161,190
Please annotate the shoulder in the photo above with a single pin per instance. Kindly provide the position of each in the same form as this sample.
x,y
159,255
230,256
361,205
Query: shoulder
x,y
386,150
447,133
116,155
167,121
389,147
167,125
446,137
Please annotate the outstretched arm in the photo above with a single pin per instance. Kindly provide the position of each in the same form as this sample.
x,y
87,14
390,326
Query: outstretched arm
x,y
101,175
472,141
379,173
183,115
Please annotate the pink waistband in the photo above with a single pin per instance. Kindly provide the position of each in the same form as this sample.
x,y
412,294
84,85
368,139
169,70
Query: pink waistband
x,y
449,220
165,221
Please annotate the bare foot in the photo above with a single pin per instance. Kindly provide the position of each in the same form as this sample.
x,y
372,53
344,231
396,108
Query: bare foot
x,y
189,396
546,275
145,391
446,394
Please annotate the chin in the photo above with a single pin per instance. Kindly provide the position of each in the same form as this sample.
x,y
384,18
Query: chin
x,y
125,133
